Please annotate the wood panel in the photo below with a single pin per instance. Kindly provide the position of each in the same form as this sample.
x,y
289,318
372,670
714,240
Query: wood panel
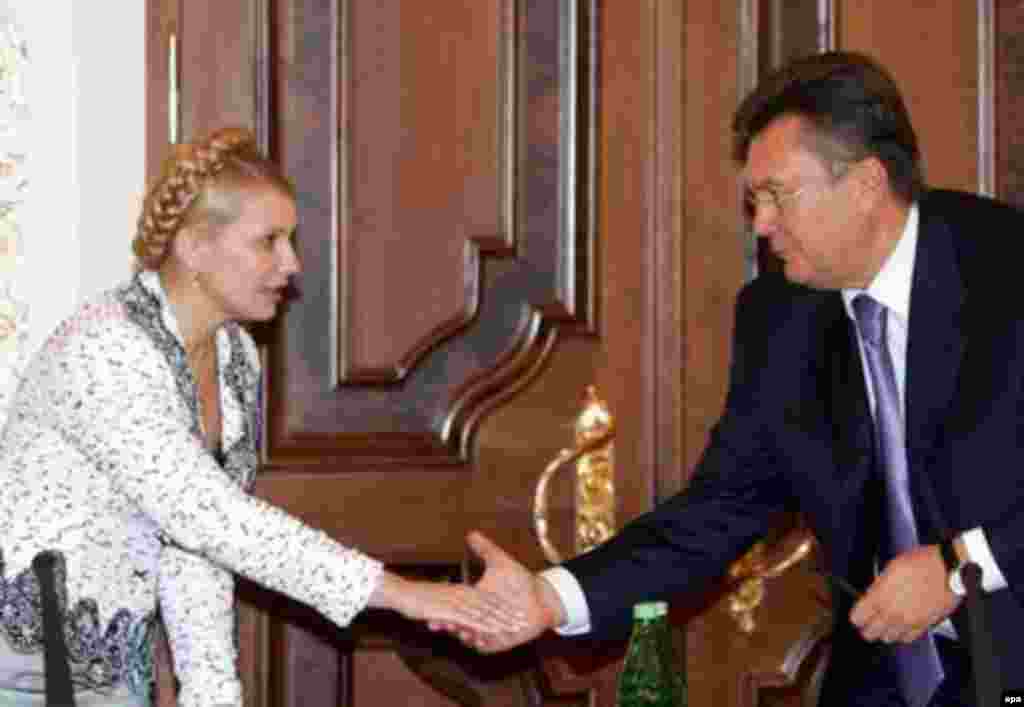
x,y
940,86
712,261
161,32
787,29
221,70
221,67
1007,97
344,432
426,176
442,264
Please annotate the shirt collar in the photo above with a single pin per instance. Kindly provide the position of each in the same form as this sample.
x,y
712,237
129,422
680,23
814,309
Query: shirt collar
x,y
891,285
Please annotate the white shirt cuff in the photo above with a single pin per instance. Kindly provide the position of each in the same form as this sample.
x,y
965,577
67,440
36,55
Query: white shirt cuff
x,y
571,594
992,578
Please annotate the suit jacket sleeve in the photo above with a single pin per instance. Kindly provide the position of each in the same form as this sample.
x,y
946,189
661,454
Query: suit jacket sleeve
x,y
1005,531
735,493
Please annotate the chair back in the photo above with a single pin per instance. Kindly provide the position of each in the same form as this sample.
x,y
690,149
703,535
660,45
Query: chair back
x,y
987,690
59,688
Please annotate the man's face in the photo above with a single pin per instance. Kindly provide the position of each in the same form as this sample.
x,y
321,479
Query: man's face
x,y
809,213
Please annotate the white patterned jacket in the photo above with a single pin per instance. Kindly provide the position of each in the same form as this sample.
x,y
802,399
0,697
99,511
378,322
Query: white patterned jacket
x,y
102,461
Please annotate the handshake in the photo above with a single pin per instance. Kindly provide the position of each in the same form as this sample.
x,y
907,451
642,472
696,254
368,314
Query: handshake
x,y
509,606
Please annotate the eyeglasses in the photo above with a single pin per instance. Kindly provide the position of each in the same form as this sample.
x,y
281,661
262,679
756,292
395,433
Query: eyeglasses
x,y
772,197
780,199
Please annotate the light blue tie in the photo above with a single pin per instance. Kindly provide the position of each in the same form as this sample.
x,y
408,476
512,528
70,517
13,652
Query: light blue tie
x,y
919,665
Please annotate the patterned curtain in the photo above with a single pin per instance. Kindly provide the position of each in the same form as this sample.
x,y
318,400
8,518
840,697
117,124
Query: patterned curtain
x,y
14,158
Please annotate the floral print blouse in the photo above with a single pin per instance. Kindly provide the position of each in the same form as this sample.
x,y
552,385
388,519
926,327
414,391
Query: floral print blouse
x,y
102,461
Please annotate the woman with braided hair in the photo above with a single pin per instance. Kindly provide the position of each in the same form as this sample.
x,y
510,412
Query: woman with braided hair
x,y
133,440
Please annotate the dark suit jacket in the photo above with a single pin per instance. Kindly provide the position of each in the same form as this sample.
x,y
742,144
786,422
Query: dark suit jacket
x,y
796,435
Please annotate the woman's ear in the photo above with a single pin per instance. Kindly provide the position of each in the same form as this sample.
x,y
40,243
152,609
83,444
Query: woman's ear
x,y
190,247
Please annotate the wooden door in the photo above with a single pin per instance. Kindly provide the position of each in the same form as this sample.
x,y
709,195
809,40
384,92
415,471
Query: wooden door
x,y
448,267
489,220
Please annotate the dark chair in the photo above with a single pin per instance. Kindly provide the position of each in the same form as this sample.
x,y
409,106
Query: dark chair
x,y
59,689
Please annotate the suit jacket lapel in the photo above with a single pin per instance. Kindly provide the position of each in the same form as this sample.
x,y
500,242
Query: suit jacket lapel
x,y
832,413
852,428
935,347
853,449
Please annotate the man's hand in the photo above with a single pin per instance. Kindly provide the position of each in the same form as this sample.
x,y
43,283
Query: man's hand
x,y
908,598
529,597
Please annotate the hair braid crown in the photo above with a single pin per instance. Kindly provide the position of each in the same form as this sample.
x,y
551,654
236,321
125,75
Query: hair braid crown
x,y
185,173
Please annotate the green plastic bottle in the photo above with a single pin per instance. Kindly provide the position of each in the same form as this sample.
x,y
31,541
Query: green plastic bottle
x,y
650,675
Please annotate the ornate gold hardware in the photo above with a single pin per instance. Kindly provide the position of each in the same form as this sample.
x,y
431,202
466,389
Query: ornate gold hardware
x,y
593,456
750,571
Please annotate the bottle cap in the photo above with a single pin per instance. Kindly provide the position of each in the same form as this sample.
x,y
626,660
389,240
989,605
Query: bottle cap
x,y
650,610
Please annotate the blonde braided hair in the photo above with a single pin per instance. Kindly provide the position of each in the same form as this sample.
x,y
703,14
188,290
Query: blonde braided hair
x,y
189,189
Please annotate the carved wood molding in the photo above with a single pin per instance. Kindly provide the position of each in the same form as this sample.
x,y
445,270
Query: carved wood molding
x,y
512,373
345,381
499,236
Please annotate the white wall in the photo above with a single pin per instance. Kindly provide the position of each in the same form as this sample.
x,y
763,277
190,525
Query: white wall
x,y
86,93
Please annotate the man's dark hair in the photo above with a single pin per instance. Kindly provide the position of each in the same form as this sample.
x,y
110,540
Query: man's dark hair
x,y
853,107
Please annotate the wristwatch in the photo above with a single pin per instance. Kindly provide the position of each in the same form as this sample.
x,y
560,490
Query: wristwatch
x,y
953,565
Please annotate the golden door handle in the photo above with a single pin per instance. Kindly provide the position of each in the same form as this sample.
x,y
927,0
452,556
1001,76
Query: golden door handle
x,y
750,571
795,547
801,549
593,459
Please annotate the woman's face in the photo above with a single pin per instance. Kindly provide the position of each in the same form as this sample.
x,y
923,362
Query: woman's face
x,y
245,265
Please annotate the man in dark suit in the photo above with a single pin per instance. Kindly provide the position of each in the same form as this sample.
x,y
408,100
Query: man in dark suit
x,y
877,388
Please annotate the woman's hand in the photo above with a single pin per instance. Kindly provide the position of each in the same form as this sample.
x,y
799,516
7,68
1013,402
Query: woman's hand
x,y
460,607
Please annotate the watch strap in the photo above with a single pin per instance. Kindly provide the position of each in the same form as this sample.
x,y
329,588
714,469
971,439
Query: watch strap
x,y
953,564
949,556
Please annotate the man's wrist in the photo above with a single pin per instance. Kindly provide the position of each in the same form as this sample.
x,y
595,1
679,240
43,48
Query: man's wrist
x,y
573,608
555,612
